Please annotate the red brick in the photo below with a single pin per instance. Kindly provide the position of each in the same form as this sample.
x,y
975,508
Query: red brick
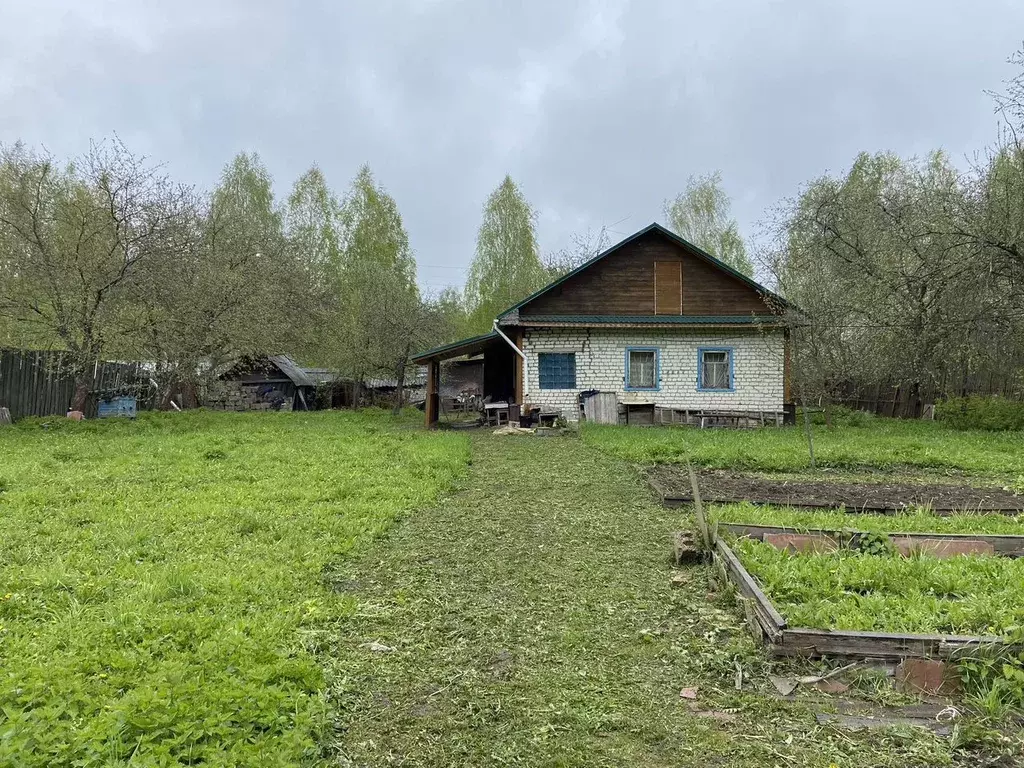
x,y
802,542
929,676
943,548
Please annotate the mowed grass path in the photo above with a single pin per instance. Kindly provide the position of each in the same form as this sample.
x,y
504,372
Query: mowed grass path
x,y
528,621
162,593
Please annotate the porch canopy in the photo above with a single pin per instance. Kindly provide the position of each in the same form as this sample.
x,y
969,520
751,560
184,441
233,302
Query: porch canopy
x,y
499,367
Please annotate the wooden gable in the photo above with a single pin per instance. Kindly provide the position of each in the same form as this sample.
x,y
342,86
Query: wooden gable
x,y
652,274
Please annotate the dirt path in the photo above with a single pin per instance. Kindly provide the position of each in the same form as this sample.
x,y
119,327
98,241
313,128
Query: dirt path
x,y
528,620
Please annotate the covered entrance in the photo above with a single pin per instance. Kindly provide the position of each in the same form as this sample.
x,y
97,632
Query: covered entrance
x,y
502,370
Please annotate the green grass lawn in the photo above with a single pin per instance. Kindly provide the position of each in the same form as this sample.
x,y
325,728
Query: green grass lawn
x,y
337,588
162,583
880,443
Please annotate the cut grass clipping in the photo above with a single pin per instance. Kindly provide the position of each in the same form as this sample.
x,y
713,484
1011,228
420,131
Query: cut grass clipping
x,y
162,582
917,521
967,595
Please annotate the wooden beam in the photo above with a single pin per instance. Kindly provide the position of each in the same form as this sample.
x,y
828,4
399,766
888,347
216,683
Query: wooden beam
x,y
875,645
518,384
676,499
433,392
770,620
787,367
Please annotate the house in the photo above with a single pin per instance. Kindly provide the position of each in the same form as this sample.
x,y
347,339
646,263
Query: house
x,y
654,327
274,382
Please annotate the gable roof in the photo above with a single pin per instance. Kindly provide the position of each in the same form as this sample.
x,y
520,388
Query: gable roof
x,y
673,237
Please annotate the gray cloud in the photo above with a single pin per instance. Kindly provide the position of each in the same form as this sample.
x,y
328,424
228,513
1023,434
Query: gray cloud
x,y
599,109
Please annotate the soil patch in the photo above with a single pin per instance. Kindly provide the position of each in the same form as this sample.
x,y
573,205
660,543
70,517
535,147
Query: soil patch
x,y
672,483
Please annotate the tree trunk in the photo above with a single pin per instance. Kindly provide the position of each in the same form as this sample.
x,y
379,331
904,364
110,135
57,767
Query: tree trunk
x,y
357,385
400,389
83,381
810,433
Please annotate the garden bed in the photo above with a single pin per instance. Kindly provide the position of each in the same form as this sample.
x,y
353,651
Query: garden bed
x,y
771,626
672,485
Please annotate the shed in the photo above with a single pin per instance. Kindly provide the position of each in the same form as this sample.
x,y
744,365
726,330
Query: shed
x,y
270,383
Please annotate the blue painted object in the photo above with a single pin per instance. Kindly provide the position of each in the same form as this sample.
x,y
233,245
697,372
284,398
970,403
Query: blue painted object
x,y
124,406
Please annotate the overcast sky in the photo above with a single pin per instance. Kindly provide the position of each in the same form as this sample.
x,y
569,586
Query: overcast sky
x,y
600,110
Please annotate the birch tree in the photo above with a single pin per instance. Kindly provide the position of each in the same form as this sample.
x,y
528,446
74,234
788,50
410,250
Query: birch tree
x,y
507,266
701,214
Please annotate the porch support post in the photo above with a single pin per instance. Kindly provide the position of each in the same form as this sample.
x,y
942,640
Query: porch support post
x,y
518,383
433,392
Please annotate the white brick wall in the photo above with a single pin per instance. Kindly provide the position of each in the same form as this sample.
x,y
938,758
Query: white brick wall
x,y
600,364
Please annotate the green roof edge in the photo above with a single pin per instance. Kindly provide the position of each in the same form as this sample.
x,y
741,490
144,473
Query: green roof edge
x,y
651,319
453,344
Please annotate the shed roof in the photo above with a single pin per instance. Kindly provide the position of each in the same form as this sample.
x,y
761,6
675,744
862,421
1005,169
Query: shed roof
x,y
292,370
471,346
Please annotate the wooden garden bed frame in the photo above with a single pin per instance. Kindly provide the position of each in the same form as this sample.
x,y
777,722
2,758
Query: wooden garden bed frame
x,y
770,626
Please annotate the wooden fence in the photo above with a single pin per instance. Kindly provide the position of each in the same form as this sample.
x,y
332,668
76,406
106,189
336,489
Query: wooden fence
x,y
910,401
41,384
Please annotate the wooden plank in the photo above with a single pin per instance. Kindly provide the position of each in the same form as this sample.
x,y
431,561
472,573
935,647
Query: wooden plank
x,y
771,620
433,379
622,284
668,288
1006,545
888,646
698,508
677,499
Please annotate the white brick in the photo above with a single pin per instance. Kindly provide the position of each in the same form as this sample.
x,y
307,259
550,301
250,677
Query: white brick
x,y
600,364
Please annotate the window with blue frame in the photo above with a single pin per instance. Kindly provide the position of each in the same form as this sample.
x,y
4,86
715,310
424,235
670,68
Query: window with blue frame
x,y
557,370
714,370
642,369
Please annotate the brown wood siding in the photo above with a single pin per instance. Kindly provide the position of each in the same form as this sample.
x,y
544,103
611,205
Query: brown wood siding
x,y
622,283
668,288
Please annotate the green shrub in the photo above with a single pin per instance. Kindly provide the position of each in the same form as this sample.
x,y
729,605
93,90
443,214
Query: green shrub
x,y
995,414
841,417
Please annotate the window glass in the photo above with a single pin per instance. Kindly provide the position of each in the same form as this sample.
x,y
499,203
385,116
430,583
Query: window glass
x,y
714,369
642,369
557,370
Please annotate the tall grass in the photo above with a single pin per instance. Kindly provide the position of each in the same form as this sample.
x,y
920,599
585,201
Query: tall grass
x,y
879,443
162,582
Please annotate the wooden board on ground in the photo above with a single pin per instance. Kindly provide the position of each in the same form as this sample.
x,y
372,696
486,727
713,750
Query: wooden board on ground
x,y
771,621
887,646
